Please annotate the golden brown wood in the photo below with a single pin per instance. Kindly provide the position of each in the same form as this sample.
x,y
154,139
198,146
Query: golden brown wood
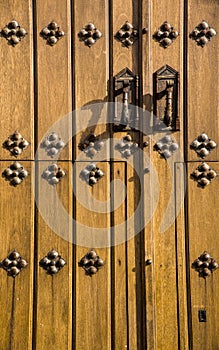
x,y
53,73
119,281
16,77
92,293
164,242
16,295
53,294
202,236
202,73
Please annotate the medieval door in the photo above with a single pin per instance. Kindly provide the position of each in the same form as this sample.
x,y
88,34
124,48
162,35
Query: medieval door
x,y
109,163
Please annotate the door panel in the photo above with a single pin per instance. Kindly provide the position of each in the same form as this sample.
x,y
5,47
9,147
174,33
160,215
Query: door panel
x,y
111,236
17,233
53,74
16,78
202,84
202,223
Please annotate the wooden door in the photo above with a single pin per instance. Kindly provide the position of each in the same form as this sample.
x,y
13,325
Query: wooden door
x,y
109,128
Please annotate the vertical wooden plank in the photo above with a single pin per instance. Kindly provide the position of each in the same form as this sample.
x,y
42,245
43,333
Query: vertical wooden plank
x,y
129,57
202,236
16,90
167,322
53,69
16,295
92,293
119,260
53,304
203,83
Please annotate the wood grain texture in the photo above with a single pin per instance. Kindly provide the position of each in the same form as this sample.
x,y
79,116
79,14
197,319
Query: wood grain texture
x,y
53,294
53,73
92,294
164,242
119,262
203,82
202,236
16,90
16,295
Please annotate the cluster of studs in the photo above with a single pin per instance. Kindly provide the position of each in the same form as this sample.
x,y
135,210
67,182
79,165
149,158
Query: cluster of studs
x,y
165,35
13,33
166,146
16,144
202,34
52,262
91,145
127,146
203,145
91,263
91,174
127,34
89,34
13,264
52,144
15,174
53,174
205,265
52,33
204,175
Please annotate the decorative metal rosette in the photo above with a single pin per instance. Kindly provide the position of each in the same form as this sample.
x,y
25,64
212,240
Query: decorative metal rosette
x,y
202,34
91,263
166,146
91,145
165,35
15,174
205,265
89,34
53,144
203,175
16,144
52,33
203,145
13,264
127,146
91,174
53,174
13,33
52,262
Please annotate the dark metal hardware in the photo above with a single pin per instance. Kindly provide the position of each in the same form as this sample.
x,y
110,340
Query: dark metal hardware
x,y
16,144
53,174
126,91
52,144
166,98
128,34
91,263
15,174
205,265
202,315
89,34
148,262
166,146
13,264
203,175
52,33
202,34
165,35
13,33
52,262
203,145
127,146
91,145
91,174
